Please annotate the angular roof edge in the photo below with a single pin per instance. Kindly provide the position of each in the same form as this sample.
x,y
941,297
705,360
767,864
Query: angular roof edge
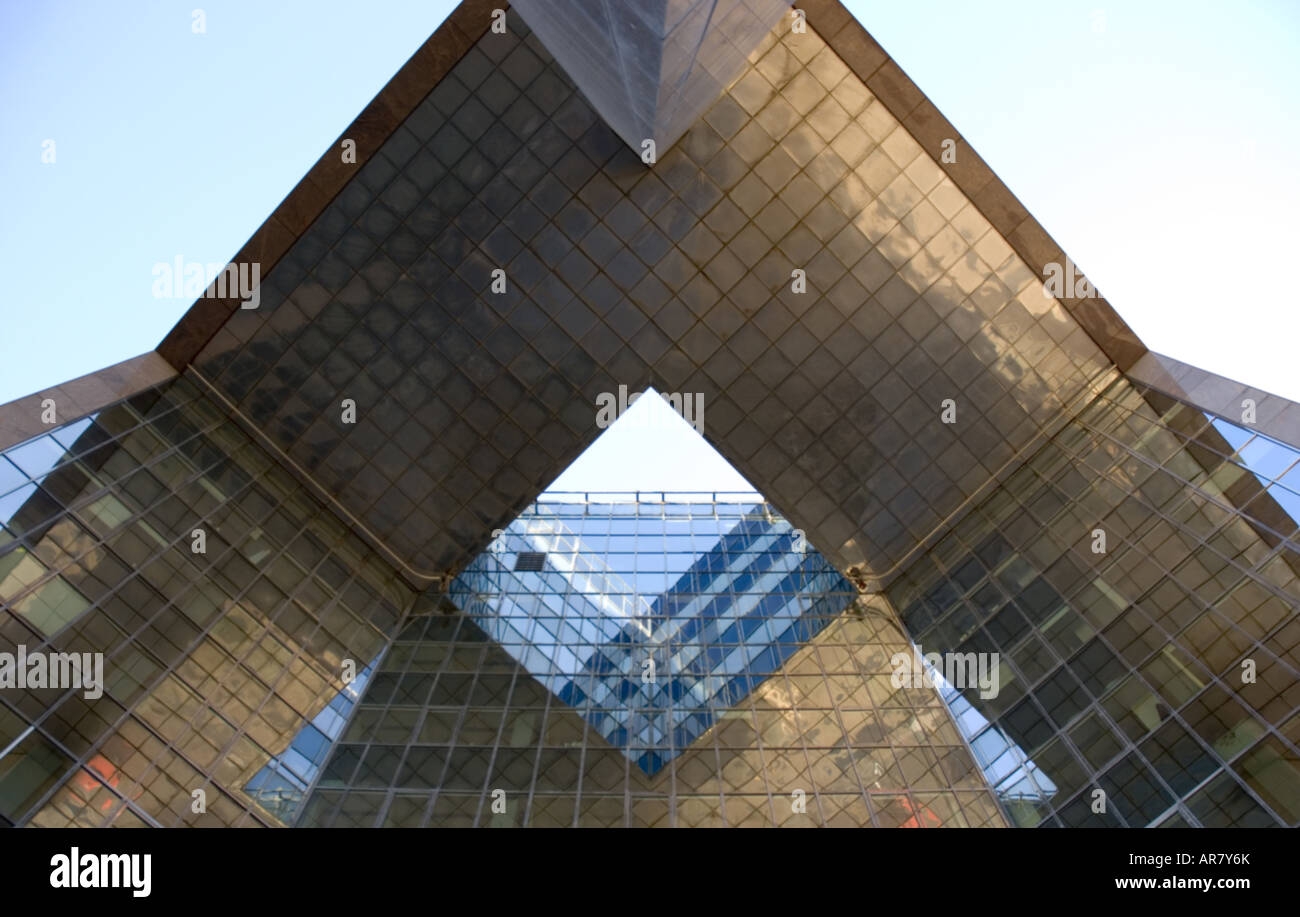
x,y
837,27
300,208
1275,416
970,173
20,419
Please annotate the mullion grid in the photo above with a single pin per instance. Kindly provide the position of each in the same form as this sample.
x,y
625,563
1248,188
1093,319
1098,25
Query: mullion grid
x,y
691,787
209,427
1078,451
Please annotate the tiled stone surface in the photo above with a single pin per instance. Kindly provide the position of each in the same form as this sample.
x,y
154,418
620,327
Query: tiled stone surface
x,y
678,276
905,101
305,203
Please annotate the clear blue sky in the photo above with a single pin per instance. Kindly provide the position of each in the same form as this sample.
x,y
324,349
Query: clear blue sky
x,y
1160,150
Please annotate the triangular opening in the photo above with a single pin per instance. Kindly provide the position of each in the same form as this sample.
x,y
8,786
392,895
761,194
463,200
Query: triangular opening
x,y
650,608
652,446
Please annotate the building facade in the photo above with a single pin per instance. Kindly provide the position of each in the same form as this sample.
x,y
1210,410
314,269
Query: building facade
x,y
294,532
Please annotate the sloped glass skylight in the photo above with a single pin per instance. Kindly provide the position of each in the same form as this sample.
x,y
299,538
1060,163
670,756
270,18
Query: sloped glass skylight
x,y
652,613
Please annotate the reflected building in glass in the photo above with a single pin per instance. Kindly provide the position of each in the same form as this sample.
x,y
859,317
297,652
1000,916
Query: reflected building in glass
x,y
658,617
1160,669
314,543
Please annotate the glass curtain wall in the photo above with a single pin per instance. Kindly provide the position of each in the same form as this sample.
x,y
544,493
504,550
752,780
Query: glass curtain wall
x,y
1138,579
224,598
650,662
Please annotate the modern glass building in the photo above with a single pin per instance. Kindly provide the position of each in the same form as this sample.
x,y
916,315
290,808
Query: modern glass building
x,y
634,619
648,662
314,543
